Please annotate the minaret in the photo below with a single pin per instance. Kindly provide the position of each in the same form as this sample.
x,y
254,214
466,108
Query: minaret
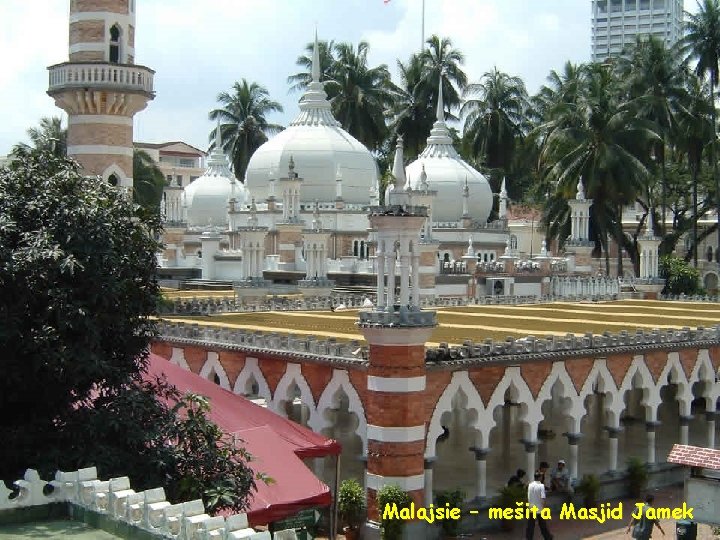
x,y
579,245
396,331
101,89
503,201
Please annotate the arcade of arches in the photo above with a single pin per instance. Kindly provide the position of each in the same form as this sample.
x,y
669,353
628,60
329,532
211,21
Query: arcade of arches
x,y
483,422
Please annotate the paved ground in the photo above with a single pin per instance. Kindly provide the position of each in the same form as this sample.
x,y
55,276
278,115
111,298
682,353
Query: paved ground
x,y
53,530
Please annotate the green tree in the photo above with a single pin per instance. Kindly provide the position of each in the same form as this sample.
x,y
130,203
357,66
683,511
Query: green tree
x,y
77,277
701,44
243,122
361,94
49,136
442,60
680,277
412,112
148,181
495,113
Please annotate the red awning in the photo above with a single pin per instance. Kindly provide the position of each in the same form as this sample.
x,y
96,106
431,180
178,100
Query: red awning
x,y
276,443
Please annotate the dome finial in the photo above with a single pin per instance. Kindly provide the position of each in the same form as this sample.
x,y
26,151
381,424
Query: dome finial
x,y
423,179
218,137
291,168
440,113
316,60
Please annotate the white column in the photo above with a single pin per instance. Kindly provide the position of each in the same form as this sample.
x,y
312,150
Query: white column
x,y
573,440
391,277
710,418
481,471
530,448
380,264
650,429
429,462
612,448
416,279
404,273
684,428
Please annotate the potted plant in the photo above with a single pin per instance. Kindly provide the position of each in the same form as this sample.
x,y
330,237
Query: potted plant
x,y
589,489
455,499
351,506
390,528
508,497
637,476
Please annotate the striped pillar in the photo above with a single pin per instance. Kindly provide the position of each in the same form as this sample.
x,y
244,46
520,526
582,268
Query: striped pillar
x,y
101,89
395,415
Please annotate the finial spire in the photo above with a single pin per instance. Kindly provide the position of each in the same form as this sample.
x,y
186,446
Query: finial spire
x,y
218,137
398,169
316,60
423,179
440,113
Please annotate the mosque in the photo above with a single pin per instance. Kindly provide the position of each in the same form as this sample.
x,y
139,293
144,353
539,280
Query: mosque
x,y
422,415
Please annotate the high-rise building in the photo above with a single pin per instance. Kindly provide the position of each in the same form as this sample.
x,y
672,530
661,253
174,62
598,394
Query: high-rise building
x,y
616,23
101,88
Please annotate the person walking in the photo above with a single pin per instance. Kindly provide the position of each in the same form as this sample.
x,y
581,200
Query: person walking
x,y
536,499
642,528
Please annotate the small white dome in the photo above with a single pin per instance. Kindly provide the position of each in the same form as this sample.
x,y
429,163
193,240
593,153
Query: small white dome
x,y
322,150
447,173
206,199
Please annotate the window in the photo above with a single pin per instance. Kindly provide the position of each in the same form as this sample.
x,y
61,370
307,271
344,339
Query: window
x,y
659,4
113,180
601,19
645,5
187,163
602,6
115,44
615,6
178,179
168,179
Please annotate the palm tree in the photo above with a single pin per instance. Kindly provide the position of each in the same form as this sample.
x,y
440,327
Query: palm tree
x,y
441,59
702,45
362,94
148,181
412,113
326,52
604,143
49,136
655,81
494,118
243,123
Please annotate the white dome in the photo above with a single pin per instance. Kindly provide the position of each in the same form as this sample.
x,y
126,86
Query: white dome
x,y
447,173
206,199
322,152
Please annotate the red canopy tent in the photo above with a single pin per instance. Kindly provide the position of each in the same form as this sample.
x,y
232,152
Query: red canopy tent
x,y
276,444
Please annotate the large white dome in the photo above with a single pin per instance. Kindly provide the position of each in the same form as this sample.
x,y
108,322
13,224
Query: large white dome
x,y
206,199
323,152
447,173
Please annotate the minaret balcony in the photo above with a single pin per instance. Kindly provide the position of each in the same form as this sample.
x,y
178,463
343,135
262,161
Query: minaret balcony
x,y
101,75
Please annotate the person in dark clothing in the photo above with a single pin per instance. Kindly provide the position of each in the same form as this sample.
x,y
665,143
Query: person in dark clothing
x,y
542,469
517,479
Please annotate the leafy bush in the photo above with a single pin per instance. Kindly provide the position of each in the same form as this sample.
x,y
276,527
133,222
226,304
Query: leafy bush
x,y
637,476
351,503
589,488
680,277
454,499
390,528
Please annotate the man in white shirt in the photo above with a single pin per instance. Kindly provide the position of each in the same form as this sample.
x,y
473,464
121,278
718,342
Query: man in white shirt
x,y
536,498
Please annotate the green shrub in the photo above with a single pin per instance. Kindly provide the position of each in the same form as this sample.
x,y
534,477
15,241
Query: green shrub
x,y
351,503
680,277
589,488
637,476
391,529
454,499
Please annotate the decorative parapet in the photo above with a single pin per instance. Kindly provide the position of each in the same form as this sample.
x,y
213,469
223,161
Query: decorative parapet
x,y
399,317
100,74
553,348
147,511
307,347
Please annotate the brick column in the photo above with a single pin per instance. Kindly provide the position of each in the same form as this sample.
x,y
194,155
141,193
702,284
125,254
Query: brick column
x,y
396,424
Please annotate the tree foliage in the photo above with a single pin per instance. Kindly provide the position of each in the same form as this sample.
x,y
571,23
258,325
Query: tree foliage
x,y
77,278
680,277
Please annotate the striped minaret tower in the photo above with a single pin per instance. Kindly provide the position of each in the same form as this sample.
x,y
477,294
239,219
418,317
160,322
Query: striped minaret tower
x,y
396,331
100,88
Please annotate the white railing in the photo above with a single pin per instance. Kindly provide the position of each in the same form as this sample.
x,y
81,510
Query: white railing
x,y
113,75
147,511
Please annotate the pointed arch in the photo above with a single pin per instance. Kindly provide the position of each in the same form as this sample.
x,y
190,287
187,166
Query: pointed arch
x,y
252,369
558,374
340,380
674,372
513,379
651,393
293,374
213,365
460,381
178,358
601,379
114,169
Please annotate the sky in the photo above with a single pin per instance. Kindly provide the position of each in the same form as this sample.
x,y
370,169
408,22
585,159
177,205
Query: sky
x,y
199,49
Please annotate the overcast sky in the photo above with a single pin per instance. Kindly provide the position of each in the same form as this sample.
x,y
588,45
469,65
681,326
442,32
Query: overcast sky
x,y
200,48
